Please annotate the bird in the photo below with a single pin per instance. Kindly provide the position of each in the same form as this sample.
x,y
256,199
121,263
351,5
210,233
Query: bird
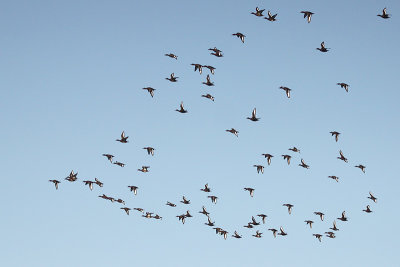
x,y
282,232
97,181
211,68
323,48
150,150
109,157
287,90
217,52
342,157
172,56
120,201
185,201
361,167
289,206
181,110
304,165
133,189
384,15
139,209
336,134
263,217
181,218
172,78
209,223
124,139
251,190
240,36
236,235
157,217
188,215
287,157
294,149
259,12
258,234
144,169
213,199
309,222
208,96
334,228
268,157
344,85
55,182
330,234
224,233
307,14
233,131
148,215
197,67
72,177
253,116
150,90
371,196
206,188
273,231
170,204
89,183
318,236
208,81
271,17
320,214
253,221
367,210
343,218
119,163
260,168
126,210
249,225
334,178
204,211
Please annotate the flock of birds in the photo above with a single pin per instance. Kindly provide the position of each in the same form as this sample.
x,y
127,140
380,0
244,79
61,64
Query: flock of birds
x,y
72,177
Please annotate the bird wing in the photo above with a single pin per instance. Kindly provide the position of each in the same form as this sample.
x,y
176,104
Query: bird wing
x,y
253,114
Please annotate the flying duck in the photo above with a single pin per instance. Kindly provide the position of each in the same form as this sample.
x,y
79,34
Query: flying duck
x,y
287,90
342,157
144,169
236,235
150,90
126,210
330,234
97,181
253,116
89,183
374,199
336,134
294,149
343,218
307,14
119,163
208,96
120,201
287,157
323,48
213,199
289,206
304,165
150,150
157,217
268,157
170,204
211,68
124,139
233,131
209,223
72,177
185,201
240,36
309,222
181,110
249,225
384,15
282,232
361,167
260,168
55,182
368,210
206,188
208,82
181,218
344,85
172,78
133,189
258,234
271,17
263,216
139,209
188,215
318,236
273,231
204,211
334,228
251,191
109,157
148,215
171,55
258,13
253,221
197,67
334,178
320,214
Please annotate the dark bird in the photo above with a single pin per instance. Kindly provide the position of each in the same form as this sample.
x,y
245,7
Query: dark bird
x,y
384,15
109,157
157,217
208,81
253,221
208,96
251,190
330,234
282,232
294,149
258,234
271,17
144,169
323,48
336,134
259,12
318,236
367,210
308,222
213,199
172,78
172,55
181,110
124,139
236,235
209,223
185,201
217,53
120,201
150,150
343,218
304,165
260,168
374,199
181,218
249,225
287,158
133,189
233,131
139,209
148,215
89,183
320,214
204,211
119,163
263,217
268,157
342,157
206,188
72,177
334,228
307,14
211,68
273,231
197,67
97,181
253,116
55,182
334,178
126,210
170,204
344,85
287,90
361,167
289,206
188,215
150,90
240,36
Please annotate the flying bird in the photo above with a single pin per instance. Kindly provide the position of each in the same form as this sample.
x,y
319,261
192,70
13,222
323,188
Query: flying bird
x,y
150,150
236,235
144,169
282,232
268,157
318,236
170,204
126,210
119,163
233,131
342,157
55,182
334,228
384,15
258,234
208,81
307,14
271,17
289,206
97,181
259,12
185,201
172,78
334,178
72,177
253,116
367,210
171,56
109,157
251,190
361,167
89,183
344,85
260,168
181,110
336,134
343,218
287,158
197,67
320,214
294,149
204,211
371,196
273,231
206,188
208,96
263,217
330,234
216,52
304,165
309,222
323,48
240,36
209,223
211,68
287,90
213,199
150,90
133,189
124,139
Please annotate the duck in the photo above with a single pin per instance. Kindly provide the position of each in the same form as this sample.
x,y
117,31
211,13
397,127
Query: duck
x,y
309,222
204,211
188,215
287,90
150,150
289,206
181,110
133,189
371,196
258,234
206,188
72,177
336,134
294,149
282,232
119,163
126,210
144,169
251,191
172,78
120,201
103,196
170,204
320,214
97,181
307,14
344,85
233,131
258,13
109,157
342,157
217,230
323,48
89,183
185,201
148,215
253,116
124,139
268,157
304,165
157,217
384,15
330,234
172,56
209,97
263,217
211,68
213,199
197,67
209,223
273,231
240,36
236,235
249,225
287,158
181,218
343,218
334,228
271,17
224,233
55,182
334,178
214,49
318,236
139,209
208,81
260,168
150,90
361,167
254,222
217,53
368,209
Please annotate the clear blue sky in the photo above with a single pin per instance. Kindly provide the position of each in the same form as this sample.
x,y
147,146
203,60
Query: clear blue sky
x,y
71,79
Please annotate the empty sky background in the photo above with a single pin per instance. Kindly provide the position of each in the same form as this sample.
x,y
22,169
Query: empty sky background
x,y
71,79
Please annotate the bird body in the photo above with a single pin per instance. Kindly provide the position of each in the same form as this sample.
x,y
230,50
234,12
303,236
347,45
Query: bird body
x,y
124,139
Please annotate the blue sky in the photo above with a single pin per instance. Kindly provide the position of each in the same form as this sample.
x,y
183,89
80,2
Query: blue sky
x,y
71,81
